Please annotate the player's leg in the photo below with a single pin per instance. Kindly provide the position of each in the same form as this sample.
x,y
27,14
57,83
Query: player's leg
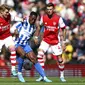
x,y
32,57
1,44
42,63
57,50
37,66
13,59
42,49
20,65
61,67
9,43
40,60
1,47
20,59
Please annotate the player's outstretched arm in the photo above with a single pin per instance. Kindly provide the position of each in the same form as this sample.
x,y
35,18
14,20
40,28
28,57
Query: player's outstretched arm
x,y
37,32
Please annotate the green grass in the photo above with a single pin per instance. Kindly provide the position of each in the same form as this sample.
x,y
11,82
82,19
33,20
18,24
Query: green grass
x,y
31,81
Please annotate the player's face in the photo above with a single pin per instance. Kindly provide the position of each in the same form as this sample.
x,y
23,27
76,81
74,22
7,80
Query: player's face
x,y
50,10
6,13
32,19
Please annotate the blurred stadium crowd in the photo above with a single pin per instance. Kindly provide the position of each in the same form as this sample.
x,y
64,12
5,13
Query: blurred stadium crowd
x,y
73,13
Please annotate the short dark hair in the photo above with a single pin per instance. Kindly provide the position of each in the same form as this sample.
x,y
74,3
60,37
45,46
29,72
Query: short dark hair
x,y
49,5
33,13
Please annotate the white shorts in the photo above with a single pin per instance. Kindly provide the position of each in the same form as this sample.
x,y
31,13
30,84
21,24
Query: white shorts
x,y
7,42
54,49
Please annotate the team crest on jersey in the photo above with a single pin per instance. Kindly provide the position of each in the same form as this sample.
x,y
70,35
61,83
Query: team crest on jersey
x,y
45,23
54,23
1,23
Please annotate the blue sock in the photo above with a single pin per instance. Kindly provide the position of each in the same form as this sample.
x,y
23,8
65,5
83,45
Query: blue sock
x,y
20,63
39,69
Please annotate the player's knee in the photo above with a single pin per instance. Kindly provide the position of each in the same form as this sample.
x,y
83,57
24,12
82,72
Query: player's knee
x,y
12,48
40,54
23,54
33,59
20,52
60,60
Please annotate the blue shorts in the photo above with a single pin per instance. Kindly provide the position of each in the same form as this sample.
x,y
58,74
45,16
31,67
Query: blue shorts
x,y
26,47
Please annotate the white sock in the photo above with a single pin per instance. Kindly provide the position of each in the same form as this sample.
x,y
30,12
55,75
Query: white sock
x,y
61,74
19,73
13,68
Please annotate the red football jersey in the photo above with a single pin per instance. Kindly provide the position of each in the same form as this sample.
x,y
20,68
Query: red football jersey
x,y
4,28
51,29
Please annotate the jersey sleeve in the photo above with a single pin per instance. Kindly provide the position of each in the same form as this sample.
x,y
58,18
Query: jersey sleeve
x,y
61,23
15,26
41,20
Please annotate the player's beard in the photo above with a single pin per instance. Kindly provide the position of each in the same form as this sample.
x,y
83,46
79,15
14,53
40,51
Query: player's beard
x,y
50,15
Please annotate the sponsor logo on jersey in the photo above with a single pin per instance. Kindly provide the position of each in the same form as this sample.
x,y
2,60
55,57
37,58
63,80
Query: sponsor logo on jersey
x,y
5,27
51,28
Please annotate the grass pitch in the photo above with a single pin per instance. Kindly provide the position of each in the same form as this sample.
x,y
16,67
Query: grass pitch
x,y
31,81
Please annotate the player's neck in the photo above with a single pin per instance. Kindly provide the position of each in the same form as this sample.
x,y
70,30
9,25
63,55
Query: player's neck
x,y
50,16
1,16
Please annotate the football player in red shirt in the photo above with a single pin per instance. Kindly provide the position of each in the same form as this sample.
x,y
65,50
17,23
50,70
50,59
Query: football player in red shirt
x,y
6,37
52,24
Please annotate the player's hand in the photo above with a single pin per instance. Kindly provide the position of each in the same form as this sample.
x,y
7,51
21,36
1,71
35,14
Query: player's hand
x,y
36,40
63,46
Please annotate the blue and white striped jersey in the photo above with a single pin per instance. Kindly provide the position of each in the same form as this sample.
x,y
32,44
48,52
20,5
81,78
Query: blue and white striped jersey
x,y
25,31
